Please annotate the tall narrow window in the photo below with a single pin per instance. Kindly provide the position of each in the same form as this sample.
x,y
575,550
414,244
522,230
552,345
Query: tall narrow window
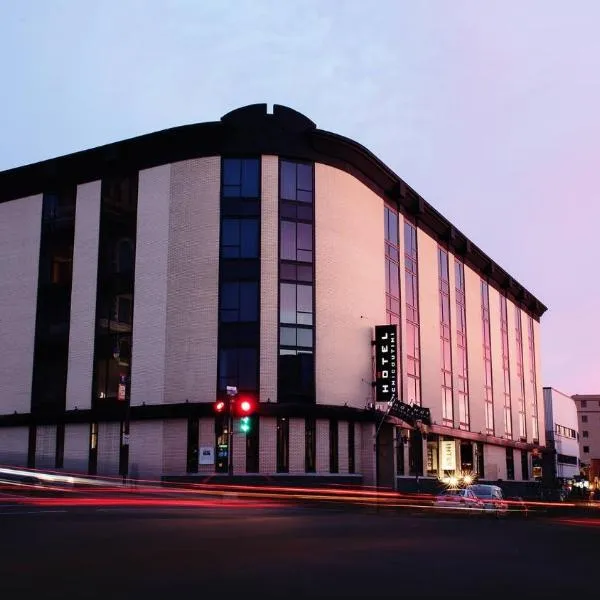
x,y
351,448
253,445
462,366
525,464
506,368
445,347
55,278
115,292
310,445
520,375
239,295
93,450
510,464
296,376
333,447
535,433
413,351
283,445
193,430
488,390
392,267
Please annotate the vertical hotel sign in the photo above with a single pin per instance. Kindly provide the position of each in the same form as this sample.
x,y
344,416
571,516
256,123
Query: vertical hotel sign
x,y
386,362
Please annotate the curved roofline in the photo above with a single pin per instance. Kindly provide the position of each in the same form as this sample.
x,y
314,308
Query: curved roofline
x,y
253,130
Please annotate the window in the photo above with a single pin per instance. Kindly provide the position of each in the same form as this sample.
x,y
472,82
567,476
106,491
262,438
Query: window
x,y
510,464
533,380
392,266
333,447
462,370
488,390
445,347
296,241
413,351
239,301
283,445
524,465
351,448
507,407
239,238
586,449
585,434
310,445
193,433
240,178
584,419
296,274
584,404
253,445
296,181
520,375
238,367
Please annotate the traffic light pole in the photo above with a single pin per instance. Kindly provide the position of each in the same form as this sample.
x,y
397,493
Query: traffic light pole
x,y
231,393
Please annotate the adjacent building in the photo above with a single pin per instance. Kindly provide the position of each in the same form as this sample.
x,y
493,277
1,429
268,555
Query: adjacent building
x,y
142,278
588,414
562,436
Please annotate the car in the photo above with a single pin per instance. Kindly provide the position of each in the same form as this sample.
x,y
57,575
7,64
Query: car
x,y
491,498
458,499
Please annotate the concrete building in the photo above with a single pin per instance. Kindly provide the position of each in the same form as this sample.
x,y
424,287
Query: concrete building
x,y
142,278
588,415
562,435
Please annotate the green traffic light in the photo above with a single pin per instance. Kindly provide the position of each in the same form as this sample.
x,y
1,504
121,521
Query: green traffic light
x,y
245,424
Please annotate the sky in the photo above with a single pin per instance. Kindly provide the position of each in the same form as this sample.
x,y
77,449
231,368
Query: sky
x,y
490,110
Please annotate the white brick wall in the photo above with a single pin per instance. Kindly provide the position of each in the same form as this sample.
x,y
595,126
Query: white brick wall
x,y
83,296
175,447
429,325
367,453
13,445
20,228
45,447
150,301
268,445
239,451
193,267
322,446
350,285
297,445
269,243
109,445
145,449
77,445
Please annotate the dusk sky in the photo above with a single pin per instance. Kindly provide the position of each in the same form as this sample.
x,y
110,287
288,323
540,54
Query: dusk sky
x,y
489,109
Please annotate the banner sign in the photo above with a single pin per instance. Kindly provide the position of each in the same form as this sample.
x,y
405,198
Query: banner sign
x,y
410,413
448,455
386,363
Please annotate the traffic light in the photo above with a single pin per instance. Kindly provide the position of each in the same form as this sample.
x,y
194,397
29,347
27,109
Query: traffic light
x,y
245,425
245,407
220,406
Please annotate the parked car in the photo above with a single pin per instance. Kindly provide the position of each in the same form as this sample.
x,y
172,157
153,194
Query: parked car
x,y
491,498
458,499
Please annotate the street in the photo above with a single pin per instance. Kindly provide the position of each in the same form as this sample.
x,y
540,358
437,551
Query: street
x,y
286,551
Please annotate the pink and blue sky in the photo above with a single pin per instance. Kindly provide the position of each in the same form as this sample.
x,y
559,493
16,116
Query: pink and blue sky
x,y
490,109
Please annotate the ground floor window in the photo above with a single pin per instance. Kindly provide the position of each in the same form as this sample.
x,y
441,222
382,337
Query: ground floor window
x,y
415,453
510,464
310,445
524,465
351,448
283,445
333,447
253,445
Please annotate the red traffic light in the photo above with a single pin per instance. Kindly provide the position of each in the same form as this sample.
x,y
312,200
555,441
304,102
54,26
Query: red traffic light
x,y
219,406
245,407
